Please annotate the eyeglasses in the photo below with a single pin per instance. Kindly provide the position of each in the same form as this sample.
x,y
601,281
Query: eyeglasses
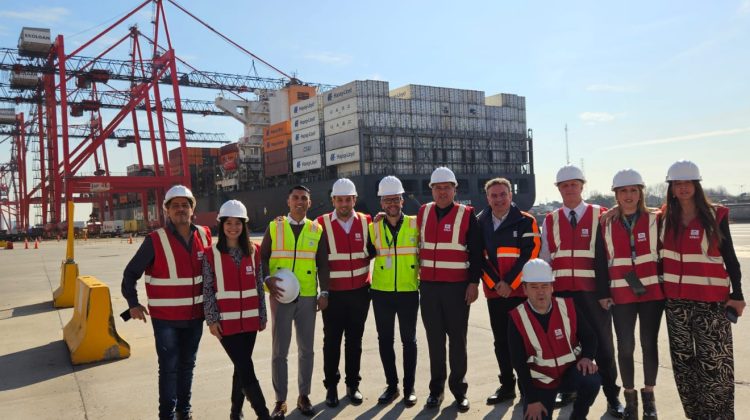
x,y
390,200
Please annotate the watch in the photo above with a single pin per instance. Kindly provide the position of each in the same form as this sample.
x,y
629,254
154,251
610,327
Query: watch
x,y
323,294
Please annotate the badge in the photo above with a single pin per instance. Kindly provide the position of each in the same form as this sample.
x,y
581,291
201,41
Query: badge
x,y
515,234
311,243
447,227
388,262
584,232
358,237
200,255
641,236
695,233
558,334
249,269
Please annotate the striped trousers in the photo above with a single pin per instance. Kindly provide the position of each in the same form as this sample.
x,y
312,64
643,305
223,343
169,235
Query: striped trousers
x,y
700,344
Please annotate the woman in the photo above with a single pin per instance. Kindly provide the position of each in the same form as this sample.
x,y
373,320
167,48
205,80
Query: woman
x,y
234,303
702,285
628,283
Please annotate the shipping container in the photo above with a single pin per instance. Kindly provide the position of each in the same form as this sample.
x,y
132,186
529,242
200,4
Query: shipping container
x,y
276,143
344,155
306,149
7,116
345,139
276,156
356,88
298,93
24,80
357,104
307,163
278,106
314,104
339,125
276,169
279,129
34,42
351,169
306,134
305,121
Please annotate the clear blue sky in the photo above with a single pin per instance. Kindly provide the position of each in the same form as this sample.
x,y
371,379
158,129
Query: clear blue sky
x,y
640,84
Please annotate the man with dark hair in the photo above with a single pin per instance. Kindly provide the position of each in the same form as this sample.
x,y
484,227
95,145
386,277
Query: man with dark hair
x,y
292,242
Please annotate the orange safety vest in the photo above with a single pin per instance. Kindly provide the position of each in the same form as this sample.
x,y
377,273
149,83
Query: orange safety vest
x,y
443,255
174,281
236,291
347,253
549,353
621,261
572,250
693,266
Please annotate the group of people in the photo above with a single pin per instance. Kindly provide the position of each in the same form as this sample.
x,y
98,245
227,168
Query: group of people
x,y
552,295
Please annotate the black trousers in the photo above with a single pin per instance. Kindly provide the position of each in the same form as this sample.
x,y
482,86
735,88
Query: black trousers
x,y
624,317
587,305
240,347
344,317
387,306
446,314
499,309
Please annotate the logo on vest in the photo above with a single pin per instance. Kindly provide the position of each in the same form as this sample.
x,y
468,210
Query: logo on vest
x,y
641,236
200,255
585,233
249,269
695,233
558,334
515,234
413,240
311,243
358,237
447,227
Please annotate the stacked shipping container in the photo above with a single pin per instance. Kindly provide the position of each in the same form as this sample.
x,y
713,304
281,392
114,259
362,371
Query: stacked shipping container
x,y
307,123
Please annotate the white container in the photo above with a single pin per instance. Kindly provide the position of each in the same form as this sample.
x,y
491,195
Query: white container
x,y
305,121
24,80
345,139
304,107
339,125
7,116
278,105
34,42
306,149
307,163
306,134
344,155
356,88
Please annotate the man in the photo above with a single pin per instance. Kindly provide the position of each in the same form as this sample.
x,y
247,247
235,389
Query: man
x,y
292,242
346,305
394,288
450,254
511,238
551,347
568,244
171,258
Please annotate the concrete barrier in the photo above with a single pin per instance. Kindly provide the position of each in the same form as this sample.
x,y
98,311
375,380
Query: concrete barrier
x,y
63,296
91,335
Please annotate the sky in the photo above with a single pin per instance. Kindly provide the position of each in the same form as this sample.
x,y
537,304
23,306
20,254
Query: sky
x,y
639,84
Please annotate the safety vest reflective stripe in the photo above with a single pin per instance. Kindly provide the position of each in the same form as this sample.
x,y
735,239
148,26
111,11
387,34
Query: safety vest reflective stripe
x,y
700,281
229,316
540,377
578,273
342,256
454,244
444,264
295,253
221,292
399,250
692,258
578,252
443,245
175,302
538,358
347,273
300,255
171,264
507,251
647,281
335,255
182,281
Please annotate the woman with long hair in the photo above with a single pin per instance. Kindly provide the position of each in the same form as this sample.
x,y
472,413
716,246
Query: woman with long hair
x,y
702,286
627,273
234,303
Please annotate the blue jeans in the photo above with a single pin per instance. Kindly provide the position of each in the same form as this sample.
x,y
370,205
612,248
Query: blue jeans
x,y
176,348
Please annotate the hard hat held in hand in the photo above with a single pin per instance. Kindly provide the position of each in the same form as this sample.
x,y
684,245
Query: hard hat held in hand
x,y
683,170
390,185
287,281
343,186
569,172
443,174
232,208
179,191
537,271
627,177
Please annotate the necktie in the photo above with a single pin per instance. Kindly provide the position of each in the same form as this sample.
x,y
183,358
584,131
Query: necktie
x,y
573,220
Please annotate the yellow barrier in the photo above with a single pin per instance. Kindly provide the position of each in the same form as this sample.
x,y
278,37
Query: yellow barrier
x,y
91,335
65,294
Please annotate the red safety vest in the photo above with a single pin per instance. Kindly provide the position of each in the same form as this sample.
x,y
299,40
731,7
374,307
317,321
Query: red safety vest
x,y
443,255
549,353
620,258
572,250
348,258
236,291
174,281
693,266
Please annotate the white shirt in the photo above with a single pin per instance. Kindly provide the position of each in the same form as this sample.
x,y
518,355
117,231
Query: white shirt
x,y
291,220
347,226
544,252
497,222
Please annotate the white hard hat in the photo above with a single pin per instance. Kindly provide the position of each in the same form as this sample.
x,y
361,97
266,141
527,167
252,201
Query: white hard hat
x,y
683,170
343,186
568,172
537,271
233,208
179,191
390,185
289,283
443,174
627,177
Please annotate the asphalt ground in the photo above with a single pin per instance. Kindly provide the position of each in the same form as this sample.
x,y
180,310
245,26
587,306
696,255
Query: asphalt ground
x,y
38,381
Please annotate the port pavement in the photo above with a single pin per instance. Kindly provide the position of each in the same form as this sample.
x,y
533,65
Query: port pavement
x,y
38,381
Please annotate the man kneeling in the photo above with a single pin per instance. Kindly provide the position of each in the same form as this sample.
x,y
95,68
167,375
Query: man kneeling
x,y
551,348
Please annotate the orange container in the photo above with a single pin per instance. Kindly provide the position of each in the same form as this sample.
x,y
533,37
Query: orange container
x,y
299,93
276,143
279,129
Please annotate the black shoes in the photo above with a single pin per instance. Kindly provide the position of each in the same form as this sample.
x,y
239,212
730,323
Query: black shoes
x,y
390,394
462,405
279,410
332,397
305,406
434,401
355,397
504,393
615,408
563,399
410,398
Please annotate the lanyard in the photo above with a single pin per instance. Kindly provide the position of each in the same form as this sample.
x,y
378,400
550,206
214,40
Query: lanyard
x,y
629,225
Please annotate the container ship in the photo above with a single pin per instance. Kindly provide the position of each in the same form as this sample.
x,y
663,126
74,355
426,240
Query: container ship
x,y
362,130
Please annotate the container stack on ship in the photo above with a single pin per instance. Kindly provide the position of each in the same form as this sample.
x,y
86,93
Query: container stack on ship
x,y
363,130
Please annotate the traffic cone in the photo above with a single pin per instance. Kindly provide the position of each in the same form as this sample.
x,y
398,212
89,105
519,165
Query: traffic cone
x,y
25,243
130,239
36,243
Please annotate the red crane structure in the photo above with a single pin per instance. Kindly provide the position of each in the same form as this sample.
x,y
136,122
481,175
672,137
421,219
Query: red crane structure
x,y
62,84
